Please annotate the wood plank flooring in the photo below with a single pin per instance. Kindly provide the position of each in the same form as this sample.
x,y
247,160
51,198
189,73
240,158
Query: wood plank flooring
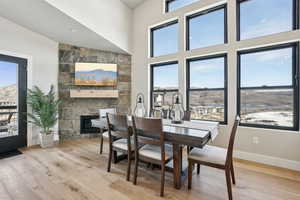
x,y
75,171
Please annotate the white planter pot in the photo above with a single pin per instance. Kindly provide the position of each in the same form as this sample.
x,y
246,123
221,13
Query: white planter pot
x,y
47,140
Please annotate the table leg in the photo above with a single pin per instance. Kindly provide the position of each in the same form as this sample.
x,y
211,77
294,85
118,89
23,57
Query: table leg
x,y
101,142
115,157
177,164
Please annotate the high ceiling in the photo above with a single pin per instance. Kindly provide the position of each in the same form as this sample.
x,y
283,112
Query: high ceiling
x,y
46,20
133,3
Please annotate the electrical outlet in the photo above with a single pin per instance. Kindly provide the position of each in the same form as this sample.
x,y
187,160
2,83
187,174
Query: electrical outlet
x,y
255,140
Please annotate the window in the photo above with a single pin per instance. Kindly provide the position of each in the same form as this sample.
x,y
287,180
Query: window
x,y
207,88
207,28
164,84
164,39
259,18
172,5
268,87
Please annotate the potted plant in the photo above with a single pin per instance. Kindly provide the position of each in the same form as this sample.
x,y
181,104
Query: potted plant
x,y
44,113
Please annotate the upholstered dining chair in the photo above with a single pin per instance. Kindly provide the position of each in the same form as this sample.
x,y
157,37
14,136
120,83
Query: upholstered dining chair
x,y
102,115
155,151
215,157
187,116
118,125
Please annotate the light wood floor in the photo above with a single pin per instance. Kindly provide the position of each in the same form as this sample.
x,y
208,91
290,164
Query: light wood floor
x,y
75,171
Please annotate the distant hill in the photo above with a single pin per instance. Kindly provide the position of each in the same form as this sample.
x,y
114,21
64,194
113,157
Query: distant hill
x,y
8,93
97,75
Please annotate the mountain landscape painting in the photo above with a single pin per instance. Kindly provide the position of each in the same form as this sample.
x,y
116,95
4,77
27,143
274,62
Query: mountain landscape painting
x,y
95,74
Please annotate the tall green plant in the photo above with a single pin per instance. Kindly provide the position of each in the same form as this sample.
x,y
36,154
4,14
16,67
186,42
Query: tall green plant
x,y
44,108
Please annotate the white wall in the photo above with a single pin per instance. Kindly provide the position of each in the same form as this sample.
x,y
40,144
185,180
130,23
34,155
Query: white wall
x,y
111,19
42,56
273,144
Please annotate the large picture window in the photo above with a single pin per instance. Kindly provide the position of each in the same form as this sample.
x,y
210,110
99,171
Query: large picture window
x,y
164,84
207,28
172,5
259,18
164,39
268,87
207,88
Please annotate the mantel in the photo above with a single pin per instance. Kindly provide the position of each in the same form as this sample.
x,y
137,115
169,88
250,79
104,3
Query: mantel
x,y
83,93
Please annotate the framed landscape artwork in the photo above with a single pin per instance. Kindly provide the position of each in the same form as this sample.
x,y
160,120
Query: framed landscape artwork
x,y
95,74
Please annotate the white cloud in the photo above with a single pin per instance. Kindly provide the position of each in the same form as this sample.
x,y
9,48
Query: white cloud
x,y
275,55
266,27
206,67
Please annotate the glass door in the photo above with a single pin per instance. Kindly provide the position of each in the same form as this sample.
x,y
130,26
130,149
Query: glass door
x,y
13,86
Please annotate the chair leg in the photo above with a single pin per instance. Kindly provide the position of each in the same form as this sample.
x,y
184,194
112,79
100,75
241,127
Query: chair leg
x,y
136,165
128,166
228,181
109,159
198,169
162,180
115,154
232,173
190,174
101,144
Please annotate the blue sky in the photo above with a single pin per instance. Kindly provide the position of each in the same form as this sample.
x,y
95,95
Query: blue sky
x,y
268,68
271,68
207,73
264,17
166,76
212,34
258,18
8,72
180,3
165,40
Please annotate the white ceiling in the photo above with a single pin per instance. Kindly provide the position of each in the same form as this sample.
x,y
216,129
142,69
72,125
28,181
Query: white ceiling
x,y
133,3
46,20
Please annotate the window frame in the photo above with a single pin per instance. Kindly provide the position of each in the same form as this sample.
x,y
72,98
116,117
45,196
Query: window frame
x,y
188,83
294,87
204,12
152,66
176,21
295,19
167,2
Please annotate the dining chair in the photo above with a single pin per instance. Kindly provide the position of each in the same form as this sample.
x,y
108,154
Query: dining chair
x,y
215,157
119,125
155,150
102,115
187,116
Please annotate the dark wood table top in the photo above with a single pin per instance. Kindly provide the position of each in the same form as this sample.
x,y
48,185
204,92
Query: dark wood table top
x,y
196,134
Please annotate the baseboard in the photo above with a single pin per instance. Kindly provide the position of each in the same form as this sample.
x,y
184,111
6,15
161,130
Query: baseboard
x,y
268,160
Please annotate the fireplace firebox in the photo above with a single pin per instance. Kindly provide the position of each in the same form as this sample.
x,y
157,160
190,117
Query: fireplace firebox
x,y
86,124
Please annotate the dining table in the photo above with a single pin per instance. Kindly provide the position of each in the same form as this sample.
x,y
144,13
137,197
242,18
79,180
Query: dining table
x,y
194,133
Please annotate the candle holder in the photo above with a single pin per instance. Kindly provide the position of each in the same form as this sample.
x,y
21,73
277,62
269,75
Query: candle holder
x,y
140,110
177,111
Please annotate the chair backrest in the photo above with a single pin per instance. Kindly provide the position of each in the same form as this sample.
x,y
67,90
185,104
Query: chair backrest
x,y
118,124
187,116
103,112
149,131
231,140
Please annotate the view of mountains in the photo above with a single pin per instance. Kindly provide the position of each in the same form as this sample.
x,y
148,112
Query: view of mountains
x,y
8,93
97,75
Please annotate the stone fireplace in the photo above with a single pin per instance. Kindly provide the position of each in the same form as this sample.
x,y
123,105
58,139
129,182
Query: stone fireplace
x,y
72,109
